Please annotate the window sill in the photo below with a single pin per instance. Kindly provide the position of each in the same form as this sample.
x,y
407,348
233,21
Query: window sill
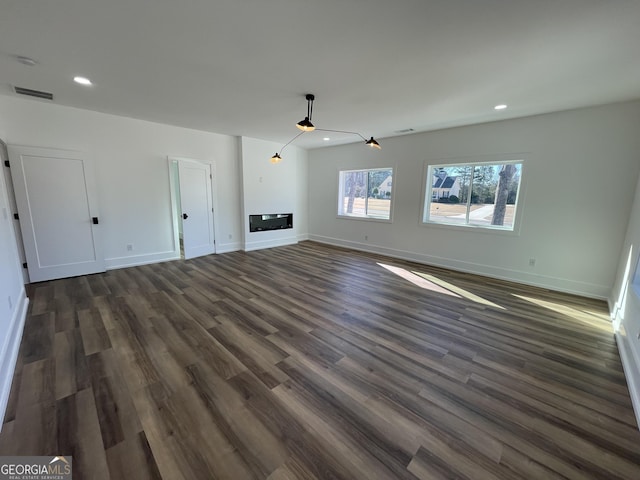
x,y
474,228
366,219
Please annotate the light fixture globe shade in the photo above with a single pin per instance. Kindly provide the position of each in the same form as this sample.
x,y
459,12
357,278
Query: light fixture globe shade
x,y
276,158
372,143
305,125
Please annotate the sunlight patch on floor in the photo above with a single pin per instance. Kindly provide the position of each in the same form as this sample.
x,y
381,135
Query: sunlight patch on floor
x,y
435,284
460,291
601,321
417,280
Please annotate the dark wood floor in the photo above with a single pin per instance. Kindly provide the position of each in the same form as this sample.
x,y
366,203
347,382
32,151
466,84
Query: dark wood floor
x,y
313,362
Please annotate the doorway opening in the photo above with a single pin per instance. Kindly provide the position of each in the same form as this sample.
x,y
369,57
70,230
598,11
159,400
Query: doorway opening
x,y
192,200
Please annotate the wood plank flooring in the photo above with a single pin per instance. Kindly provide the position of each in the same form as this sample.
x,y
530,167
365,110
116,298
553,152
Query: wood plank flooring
x,y
315,362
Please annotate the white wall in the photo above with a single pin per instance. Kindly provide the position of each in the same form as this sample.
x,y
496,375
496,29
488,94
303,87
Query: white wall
x,y
625,303
130,159
273,188
302,206
580,172
13,301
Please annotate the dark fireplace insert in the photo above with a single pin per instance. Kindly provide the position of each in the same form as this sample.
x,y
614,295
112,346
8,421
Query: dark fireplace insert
x,y
270,221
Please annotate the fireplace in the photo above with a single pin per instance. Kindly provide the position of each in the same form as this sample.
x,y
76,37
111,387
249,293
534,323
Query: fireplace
x,y
270,221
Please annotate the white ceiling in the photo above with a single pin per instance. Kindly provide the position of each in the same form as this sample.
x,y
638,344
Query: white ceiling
x,y
242,67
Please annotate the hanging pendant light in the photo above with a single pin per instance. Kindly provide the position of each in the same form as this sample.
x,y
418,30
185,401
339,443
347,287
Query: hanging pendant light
x,y
372,143
276,158
306,125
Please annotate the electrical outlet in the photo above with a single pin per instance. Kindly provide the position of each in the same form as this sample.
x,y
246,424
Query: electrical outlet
x,y
532,262
230,236
129,247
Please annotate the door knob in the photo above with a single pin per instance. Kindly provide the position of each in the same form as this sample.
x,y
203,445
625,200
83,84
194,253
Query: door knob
x,y
185,216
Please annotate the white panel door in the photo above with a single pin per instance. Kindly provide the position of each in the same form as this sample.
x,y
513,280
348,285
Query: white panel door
x,y
197,208
58,212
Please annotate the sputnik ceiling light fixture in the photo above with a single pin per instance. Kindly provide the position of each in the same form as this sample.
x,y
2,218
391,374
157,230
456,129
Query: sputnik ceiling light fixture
x,y
306,126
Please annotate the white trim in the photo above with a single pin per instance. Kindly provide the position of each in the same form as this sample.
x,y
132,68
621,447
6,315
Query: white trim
x,y
9,356
136,260
631,372
228,247
277,242
584,289
171,162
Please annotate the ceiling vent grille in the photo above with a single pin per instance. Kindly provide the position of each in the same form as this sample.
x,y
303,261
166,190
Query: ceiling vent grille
x,y
33,93
405,130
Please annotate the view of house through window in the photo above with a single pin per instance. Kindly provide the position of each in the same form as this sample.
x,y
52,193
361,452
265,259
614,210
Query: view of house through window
x,y
482,194
365,193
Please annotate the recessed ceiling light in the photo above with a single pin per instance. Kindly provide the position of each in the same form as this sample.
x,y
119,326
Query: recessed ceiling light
x,y
502,106
82,80
326,139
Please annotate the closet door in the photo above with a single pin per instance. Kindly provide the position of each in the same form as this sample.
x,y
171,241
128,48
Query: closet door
x,y
58,212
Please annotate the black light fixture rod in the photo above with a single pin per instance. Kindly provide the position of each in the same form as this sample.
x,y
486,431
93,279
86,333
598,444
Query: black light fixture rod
x,y
310,98
286,144
340,131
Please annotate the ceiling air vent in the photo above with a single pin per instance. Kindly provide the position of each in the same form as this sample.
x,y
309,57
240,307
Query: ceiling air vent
x,y
33,93
405,130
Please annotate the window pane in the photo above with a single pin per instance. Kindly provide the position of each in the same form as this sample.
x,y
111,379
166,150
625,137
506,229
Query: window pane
x,y
449,191
354,190
379,193
483,190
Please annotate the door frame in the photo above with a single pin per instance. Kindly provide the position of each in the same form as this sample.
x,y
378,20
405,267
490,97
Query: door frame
x,y
17,231
174,187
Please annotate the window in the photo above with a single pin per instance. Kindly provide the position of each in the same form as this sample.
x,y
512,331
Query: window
x,y
365,193
636,277
479,194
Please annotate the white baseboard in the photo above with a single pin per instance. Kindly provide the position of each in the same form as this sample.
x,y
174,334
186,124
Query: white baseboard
x,y
137,260
601,292
631,372
276,242
10,354
228,247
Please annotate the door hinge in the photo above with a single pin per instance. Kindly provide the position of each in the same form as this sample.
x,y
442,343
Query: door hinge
x,y
7,164
16,216
24,265
211,176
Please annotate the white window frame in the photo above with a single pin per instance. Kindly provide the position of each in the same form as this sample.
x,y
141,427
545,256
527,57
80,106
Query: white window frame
x,y
427,197
341,195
